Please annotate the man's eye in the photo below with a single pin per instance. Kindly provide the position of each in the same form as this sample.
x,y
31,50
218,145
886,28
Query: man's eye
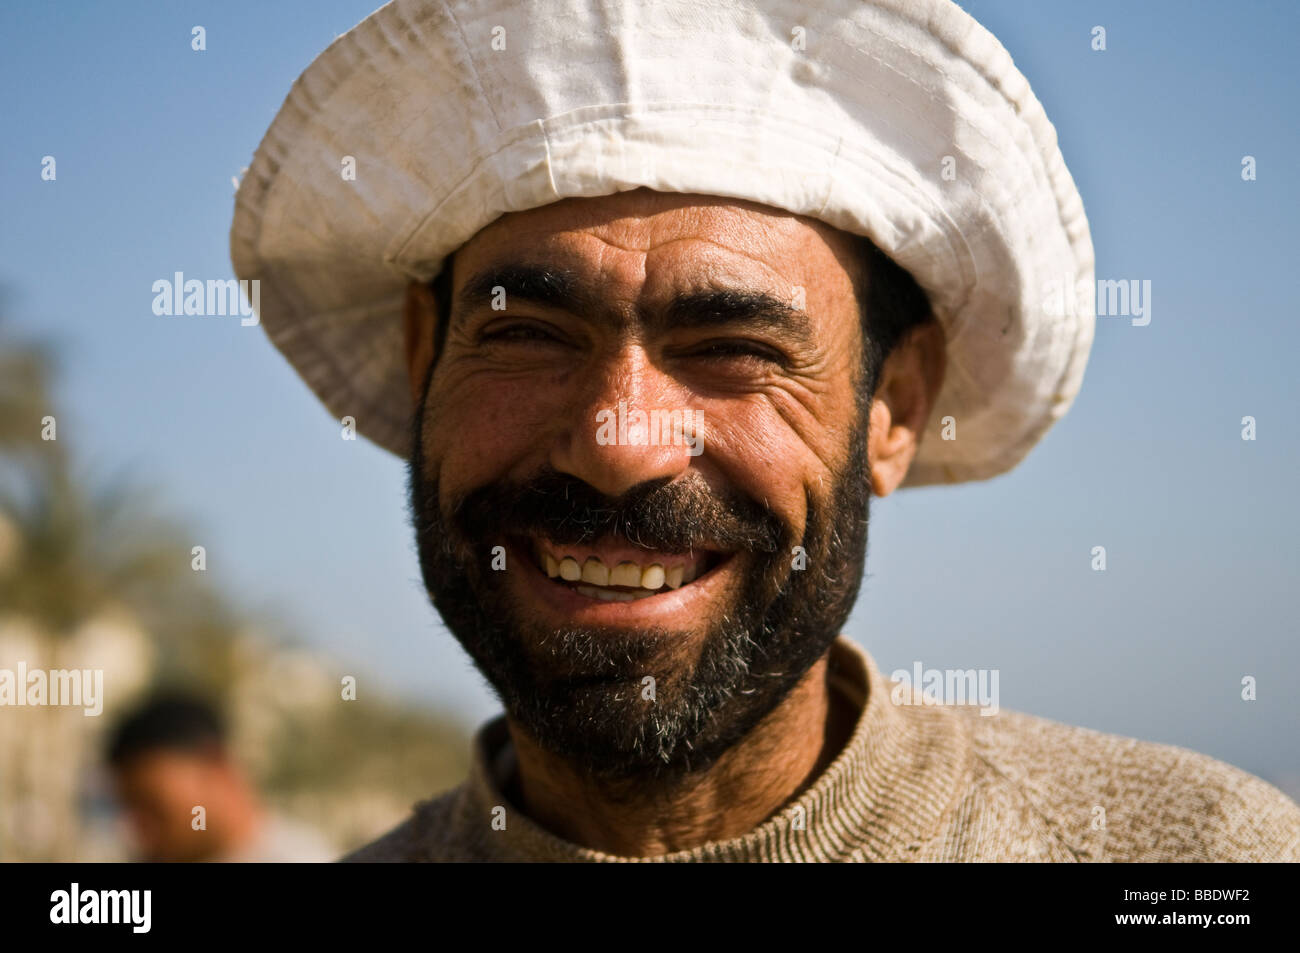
x,y
741,349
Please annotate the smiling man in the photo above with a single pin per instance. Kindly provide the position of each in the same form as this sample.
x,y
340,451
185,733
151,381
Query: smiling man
x,y
654,299
646,629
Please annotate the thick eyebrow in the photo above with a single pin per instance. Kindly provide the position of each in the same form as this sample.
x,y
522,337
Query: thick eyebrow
x,y
696,310
552,287
734,307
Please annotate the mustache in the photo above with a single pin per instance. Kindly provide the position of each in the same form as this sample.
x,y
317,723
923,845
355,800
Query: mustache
x,y
667,515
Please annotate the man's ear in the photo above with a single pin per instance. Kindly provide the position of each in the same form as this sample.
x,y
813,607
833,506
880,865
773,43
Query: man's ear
x,y
419,319
909,384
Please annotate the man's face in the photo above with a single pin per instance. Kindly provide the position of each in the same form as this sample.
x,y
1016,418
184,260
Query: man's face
x,y
159,791
720,558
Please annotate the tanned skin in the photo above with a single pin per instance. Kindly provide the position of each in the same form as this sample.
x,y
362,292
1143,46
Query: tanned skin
x,y
777,432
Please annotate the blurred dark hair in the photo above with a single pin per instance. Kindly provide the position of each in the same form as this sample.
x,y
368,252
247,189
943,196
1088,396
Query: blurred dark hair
x,y
171,721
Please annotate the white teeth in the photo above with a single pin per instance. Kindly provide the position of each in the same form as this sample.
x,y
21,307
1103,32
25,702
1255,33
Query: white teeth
x,y
598,576
595,572
625,574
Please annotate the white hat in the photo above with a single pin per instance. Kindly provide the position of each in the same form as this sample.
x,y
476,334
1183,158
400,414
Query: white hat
x,y
901,120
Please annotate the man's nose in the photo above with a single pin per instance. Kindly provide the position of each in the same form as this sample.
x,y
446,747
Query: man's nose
x,y
622,431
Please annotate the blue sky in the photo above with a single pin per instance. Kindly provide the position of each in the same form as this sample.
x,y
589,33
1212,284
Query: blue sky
x,y
1199,526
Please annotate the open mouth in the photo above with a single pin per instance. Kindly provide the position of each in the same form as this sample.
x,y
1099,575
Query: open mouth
x,y
617,571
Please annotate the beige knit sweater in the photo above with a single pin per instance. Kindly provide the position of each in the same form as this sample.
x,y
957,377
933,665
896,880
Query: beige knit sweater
x,y
924,783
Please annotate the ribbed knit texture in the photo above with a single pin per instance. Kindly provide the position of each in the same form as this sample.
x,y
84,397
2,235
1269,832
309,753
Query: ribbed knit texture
x,y
924,783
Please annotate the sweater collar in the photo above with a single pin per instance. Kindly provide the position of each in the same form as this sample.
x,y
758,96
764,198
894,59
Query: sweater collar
x,y
885,795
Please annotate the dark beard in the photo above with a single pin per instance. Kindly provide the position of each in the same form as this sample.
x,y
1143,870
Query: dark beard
x,y
580,692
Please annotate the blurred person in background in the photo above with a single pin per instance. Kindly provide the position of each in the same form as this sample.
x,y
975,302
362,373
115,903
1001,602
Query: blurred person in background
x,y
169,758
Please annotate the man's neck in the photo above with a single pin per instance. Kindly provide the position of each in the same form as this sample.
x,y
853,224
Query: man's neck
x,y
772,765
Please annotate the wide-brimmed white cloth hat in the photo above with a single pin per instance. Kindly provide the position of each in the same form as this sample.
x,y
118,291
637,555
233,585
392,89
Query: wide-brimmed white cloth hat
x,y
902,120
